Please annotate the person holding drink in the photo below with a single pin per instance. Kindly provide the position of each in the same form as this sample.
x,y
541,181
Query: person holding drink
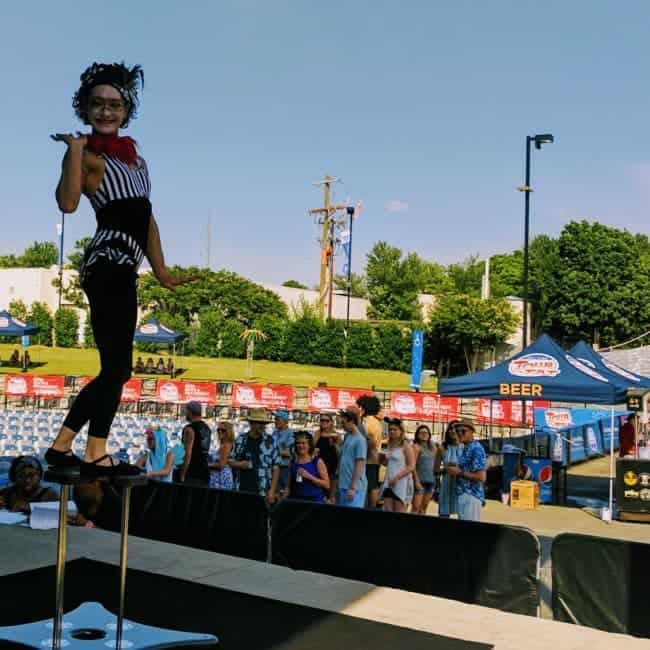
x,y
308,477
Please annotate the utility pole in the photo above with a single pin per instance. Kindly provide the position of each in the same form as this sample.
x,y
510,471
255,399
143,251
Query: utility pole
x,y
327,242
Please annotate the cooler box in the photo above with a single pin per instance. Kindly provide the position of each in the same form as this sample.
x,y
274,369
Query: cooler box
x,y
524,495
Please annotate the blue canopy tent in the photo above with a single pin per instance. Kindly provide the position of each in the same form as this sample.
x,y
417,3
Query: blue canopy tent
x,y
154,332
585,353
10,326
543,370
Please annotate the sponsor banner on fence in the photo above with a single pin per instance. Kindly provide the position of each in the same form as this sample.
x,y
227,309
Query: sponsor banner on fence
x,y
168,390
201,391
267,395
131,392
48,386
507,412
51,386
333,399
424,406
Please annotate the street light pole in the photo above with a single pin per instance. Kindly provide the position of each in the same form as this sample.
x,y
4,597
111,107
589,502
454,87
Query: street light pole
x,y
527,192
539,140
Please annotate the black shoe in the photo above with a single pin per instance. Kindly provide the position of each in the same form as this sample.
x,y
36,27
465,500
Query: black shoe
x,y
62,459
115,470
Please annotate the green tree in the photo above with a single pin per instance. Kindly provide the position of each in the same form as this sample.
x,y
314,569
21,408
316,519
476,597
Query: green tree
x,y
358,282
89,337
273,348
392,284
593,283
66,327
9,261
225,293
18,309
40,254
467,276
392,346
294,284
468,325
40,315
76,257
506,275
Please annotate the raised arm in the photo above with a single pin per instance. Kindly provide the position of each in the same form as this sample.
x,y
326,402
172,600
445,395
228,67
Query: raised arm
x,y
68,191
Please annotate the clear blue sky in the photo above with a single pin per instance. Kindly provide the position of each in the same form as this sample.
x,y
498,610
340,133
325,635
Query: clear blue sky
x,y
422,105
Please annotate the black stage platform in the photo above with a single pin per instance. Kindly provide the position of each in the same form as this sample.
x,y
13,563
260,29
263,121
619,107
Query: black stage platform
x,y
241,621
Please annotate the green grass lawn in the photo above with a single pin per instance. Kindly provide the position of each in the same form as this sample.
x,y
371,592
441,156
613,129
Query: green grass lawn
x,y
66,361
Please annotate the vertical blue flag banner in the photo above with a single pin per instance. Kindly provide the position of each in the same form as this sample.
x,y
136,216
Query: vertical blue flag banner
x,y
347,251
417,354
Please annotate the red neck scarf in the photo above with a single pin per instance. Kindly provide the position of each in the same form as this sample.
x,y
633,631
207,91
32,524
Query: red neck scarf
x,y
114,146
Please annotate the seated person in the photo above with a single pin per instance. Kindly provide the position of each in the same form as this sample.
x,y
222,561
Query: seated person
x,y
170,367
14,359
158,459
160,366
149,366
98,504
139,365
25,473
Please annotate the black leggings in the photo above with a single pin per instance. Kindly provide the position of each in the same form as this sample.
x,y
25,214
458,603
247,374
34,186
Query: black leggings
x,y
113,315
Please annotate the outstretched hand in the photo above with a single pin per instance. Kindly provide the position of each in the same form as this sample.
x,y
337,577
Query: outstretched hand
x,y
70,139
171,282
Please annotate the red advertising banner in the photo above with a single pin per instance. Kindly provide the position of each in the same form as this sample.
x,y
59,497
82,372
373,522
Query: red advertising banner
x,y
19,385
168,390
132,391
333,399
424,406
507,412
200,391
51,386
268,395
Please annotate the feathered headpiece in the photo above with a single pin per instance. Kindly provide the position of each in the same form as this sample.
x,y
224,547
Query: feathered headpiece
x,y
127,81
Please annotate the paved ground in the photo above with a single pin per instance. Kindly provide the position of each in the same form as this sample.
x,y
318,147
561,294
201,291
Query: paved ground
x,y
588,480
25,549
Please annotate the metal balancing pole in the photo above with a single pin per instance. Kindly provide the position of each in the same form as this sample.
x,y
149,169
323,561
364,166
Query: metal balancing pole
x,y
527,190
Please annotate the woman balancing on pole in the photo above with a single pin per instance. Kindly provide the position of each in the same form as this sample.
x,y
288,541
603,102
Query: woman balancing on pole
x,y
108,170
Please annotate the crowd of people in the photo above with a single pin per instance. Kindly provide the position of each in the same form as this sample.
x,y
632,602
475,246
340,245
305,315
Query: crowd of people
x,y
367,465
360,467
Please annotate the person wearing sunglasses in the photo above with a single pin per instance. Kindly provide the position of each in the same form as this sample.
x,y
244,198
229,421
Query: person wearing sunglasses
x,y
308,478
220,471
452,448
470,473
327,439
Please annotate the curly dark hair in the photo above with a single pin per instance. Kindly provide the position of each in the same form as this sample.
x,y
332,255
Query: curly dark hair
x,y
128,81
370,404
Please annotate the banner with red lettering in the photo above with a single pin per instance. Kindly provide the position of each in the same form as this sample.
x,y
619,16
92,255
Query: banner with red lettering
x,y
424,406
131,392
333,399
50,386
507,412
267,395
200,391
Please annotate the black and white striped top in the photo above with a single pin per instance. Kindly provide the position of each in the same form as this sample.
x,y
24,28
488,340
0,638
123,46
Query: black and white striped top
x,y
121,182
123,212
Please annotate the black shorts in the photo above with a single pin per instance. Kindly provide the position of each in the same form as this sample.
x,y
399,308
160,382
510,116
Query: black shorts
x,y
372,476
389,494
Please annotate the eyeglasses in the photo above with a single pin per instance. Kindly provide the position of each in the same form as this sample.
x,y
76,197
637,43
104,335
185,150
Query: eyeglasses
x,y
325,420
113,105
